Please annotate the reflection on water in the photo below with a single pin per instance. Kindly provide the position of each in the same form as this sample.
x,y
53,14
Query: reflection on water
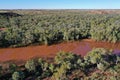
x,y
116,51
77,47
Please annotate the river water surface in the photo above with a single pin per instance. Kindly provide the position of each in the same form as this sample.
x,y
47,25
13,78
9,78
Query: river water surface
x,y
77,47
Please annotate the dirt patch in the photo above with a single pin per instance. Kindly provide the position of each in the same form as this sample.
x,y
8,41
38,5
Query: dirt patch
x,y
104,11
2,29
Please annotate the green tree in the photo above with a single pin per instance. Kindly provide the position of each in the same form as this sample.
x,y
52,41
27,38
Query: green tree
x,y
18,76
103,65
12,67
96,55
30,65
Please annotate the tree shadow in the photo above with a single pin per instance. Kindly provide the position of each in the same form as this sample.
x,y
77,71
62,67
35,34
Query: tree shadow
x,y
9,14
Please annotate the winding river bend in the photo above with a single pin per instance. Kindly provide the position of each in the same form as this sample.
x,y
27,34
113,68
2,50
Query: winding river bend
x,y
77,47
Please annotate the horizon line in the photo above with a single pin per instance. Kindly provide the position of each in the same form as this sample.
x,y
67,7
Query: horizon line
x,y
63,9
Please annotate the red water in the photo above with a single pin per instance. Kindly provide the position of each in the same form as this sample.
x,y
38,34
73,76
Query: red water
x,y
77,47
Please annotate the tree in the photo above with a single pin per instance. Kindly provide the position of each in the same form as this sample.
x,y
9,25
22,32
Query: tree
x,y
30,65
61,72
103,65
12,67
97,55
18,76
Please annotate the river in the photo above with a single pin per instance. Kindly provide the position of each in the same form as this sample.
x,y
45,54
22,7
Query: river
x,y
77,47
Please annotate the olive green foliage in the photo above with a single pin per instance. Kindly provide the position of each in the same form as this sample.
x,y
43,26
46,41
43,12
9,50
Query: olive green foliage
x,y
101,76
70,60
103,65
56,27
102,57
12,67
64,57
18,76
44,29
61,72
44,65
30,65
106,28
98,64
46,68
65,62
97,55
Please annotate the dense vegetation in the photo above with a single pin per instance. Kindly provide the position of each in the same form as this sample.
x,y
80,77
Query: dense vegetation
x,y
48,27
98,64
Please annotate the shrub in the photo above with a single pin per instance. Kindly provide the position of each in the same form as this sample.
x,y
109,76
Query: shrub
x,y
118,59
103,65
12,67
18,76
30,65
52,67
61,72
41,62
97,55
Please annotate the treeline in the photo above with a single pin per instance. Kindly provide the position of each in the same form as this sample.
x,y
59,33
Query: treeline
x,y
98,64
59,26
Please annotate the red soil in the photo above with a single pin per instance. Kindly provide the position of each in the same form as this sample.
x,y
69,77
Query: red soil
x,y
104,12
78,47
1,29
